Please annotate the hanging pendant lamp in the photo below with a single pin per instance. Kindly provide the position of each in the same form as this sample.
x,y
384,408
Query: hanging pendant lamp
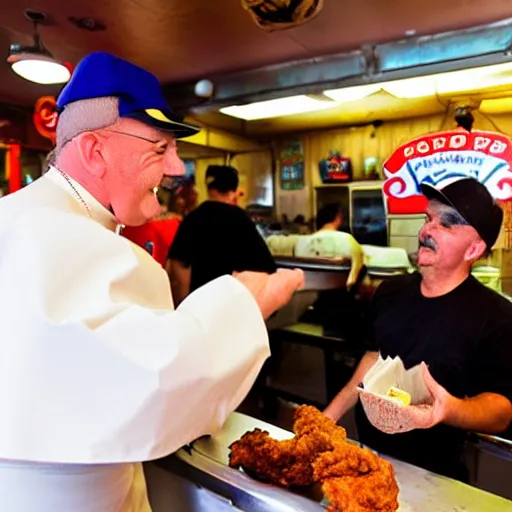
x,y
36,64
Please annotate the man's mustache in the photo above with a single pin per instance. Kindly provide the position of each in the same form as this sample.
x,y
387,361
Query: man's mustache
x,y
428,242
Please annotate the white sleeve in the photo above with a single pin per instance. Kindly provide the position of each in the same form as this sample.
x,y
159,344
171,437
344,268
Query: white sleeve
x,y
206,356
95,365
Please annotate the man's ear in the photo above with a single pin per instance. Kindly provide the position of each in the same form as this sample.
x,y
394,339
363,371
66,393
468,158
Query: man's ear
x,y
475,251
89,148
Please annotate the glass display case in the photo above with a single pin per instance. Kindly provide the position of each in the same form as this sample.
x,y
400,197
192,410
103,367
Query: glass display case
x,y
364,209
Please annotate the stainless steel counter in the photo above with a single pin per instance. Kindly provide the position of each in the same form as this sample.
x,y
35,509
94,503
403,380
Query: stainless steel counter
x,y
205,464
332,273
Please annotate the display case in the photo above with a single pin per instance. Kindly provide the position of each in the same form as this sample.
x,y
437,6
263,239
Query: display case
x,y
364,209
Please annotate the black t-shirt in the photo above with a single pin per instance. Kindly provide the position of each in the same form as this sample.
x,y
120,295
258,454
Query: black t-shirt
x,y
465,337
217,239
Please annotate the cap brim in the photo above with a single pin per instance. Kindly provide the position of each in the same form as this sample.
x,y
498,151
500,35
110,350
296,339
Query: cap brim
x,y
432,193
164,121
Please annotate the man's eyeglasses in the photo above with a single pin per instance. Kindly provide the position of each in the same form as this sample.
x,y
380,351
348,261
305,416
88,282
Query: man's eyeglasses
x,y
168,182
135,136
161,144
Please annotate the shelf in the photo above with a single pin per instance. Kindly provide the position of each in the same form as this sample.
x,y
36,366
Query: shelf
x,y
360,184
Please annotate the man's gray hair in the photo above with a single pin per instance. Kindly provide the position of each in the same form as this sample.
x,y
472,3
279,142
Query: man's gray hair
x,y
85,116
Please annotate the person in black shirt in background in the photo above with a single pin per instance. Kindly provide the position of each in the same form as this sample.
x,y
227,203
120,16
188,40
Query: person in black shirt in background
x,y
444,317
216,239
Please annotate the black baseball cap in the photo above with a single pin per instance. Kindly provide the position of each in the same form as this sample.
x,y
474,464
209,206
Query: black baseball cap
x,y
223,178
474,203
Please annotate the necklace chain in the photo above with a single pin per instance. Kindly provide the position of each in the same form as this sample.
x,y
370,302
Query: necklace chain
x,y
77,194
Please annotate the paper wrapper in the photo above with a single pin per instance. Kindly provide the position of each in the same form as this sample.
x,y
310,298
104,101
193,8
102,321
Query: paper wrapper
x,y
387,415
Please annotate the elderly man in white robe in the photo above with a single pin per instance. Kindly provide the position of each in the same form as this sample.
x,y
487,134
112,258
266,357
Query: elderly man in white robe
x,y
98,372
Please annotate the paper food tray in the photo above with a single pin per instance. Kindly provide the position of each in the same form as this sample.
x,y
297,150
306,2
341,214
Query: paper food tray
x,y
384,413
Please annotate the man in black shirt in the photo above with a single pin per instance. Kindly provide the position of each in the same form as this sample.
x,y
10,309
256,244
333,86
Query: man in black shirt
x,y
216,239
445,318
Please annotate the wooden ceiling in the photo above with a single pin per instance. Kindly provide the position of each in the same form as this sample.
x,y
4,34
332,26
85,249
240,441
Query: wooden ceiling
x,y
193,39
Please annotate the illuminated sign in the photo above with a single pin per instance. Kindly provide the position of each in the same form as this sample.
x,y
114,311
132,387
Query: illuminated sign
x,y
442,158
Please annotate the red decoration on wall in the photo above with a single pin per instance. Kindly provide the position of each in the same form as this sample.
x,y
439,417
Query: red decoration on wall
x,y
14,164
45,117
442,158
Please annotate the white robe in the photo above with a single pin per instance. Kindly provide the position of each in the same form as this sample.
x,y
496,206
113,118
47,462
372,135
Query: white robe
x,y
97,372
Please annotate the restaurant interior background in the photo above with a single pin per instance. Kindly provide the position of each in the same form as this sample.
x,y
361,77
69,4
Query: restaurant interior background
x,y
370,130
212,58
340,48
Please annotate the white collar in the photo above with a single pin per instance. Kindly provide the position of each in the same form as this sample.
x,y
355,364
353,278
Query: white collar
x,y
96,210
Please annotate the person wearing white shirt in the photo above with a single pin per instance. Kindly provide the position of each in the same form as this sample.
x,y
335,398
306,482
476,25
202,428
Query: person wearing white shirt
x,y
329,242
98,371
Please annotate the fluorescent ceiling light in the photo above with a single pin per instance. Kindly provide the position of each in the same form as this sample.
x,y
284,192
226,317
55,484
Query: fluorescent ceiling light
x,y
443,84
276,108
355,93
407,88
452,82
417,87
496,106
476,79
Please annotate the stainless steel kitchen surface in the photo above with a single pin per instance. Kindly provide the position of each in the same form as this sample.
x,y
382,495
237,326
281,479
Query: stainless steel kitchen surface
x,y
199,477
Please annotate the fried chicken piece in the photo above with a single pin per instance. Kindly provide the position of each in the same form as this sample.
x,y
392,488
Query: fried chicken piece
x,y
309,421
287,463
347,459
365,493
354,479
338,496
278,462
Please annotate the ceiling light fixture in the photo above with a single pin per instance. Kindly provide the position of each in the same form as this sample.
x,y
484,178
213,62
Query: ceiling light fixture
x,y
35,63
356,93
276,108
452,82
418,87
496,106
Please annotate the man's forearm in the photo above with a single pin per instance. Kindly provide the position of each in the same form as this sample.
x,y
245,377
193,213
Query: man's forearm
x,y
348,396
489,412
179,293
179,276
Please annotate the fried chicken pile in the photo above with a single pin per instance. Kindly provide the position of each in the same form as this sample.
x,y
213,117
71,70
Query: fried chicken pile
x,y
353,479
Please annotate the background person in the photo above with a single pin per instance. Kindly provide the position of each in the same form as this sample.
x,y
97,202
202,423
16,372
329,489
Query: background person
x,y
216,239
